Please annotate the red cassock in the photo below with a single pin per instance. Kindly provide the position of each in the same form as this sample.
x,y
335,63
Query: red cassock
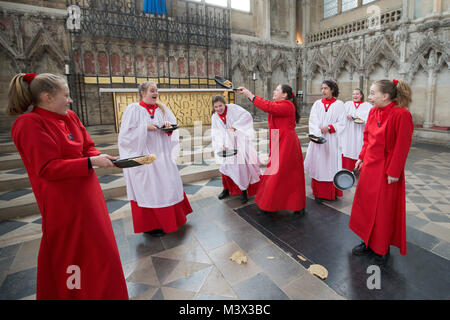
x,y
282,187
378,213
78,256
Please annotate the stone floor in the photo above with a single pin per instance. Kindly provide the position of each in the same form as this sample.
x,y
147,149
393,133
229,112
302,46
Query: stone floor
x,y
194,263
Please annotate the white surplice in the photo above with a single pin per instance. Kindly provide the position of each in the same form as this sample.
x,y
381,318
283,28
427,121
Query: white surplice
x,y
352,137
323,161
159,184
243,168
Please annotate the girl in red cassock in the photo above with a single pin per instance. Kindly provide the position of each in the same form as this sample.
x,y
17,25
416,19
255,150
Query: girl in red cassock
x,y
282,187
78,256
378,212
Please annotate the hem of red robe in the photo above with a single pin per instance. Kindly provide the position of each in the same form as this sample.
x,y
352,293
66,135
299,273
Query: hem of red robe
x,y
348,163
325,190
375,248
232,187
168,218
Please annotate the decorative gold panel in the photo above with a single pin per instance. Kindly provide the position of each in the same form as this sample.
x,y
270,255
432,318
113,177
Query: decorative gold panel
x,y
90,80
187,106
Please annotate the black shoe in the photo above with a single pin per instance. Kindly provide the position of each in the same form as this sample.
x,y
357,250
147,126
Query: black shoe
x,y
361,250
300,212
318,200
225,193
244,197
382,259
156,233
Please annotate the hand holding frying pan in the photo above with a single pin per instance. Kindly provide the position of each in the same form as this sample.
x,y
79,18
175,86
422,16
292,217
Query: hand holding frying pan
x,y
227,84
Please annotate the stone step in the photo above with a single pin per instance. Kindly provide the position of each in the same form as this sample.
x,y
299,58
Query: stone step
x,y
26,205
17,178
23,203
12,161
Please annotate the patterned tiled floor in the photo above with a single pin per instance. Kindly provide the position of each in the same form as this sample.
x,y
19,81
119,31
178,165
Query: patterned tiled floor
x,y
194,263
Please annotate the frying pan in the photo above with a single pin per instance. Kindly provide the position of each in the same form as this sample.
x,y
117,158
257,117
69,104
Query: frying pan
x,y
344,179
358,120
170,129
224,83
227,153
319,140
134,161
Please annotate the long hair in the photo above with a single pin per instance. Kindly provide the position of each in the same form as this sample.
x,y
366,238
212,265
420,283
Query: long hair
x,y
360,91
22,95
333,86
400,93
285,88
143,87
215,99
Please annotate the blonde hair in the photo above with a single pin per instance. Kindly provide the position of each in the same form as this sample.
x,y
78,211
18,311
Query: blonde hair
x,y
22,94
143,87
400,93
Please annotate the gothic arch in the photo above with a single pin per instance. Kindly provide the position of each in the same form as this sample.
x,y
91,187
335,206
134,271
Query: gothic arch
x,y
382,48
430,55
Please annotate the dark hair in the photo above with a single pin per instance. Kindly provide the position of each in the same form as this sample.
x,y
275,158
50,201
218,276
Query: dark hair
x,y
401,92
333,86
285,88
362,94
217,98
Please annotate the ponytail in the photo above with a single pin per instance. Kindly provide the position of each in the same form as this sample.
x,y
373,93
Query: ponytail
x,y
26,89
19,95
398,90
404,94
291,97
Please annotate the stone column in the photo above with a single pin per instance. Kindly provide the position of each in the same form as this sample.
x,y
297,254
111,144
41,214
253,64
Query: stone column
x,y
431,99
306,16
293,22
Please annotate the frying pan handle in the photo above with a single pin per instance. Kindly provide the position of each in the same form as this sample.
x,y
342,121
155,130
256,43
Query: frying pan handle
x,y
354,171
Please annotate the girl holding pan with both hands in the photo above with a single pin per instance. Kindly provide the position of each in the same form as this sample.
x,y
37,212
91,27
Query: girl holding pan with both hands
x,y
378,214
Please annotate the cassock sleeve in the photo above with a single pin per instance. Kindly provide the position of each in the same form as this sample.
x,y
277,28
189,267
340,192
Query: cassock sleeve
x,y
243,120
404,131
89,149
341,120
133,133
314,122
364,115
217,134
277,108
365,135
42,152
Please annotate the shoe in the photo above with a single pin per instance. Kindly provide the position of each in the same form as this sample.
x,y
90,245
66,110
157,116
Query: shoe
x,y
300,212
156,233
244,197
225,193
361,249
382,259
318,200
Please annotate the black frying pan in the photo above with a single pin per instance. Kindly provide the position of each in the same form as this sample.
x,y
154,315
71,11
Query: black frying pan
x,y
169,129
315,139
358,120
134,161
224,83
227,153
344,179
